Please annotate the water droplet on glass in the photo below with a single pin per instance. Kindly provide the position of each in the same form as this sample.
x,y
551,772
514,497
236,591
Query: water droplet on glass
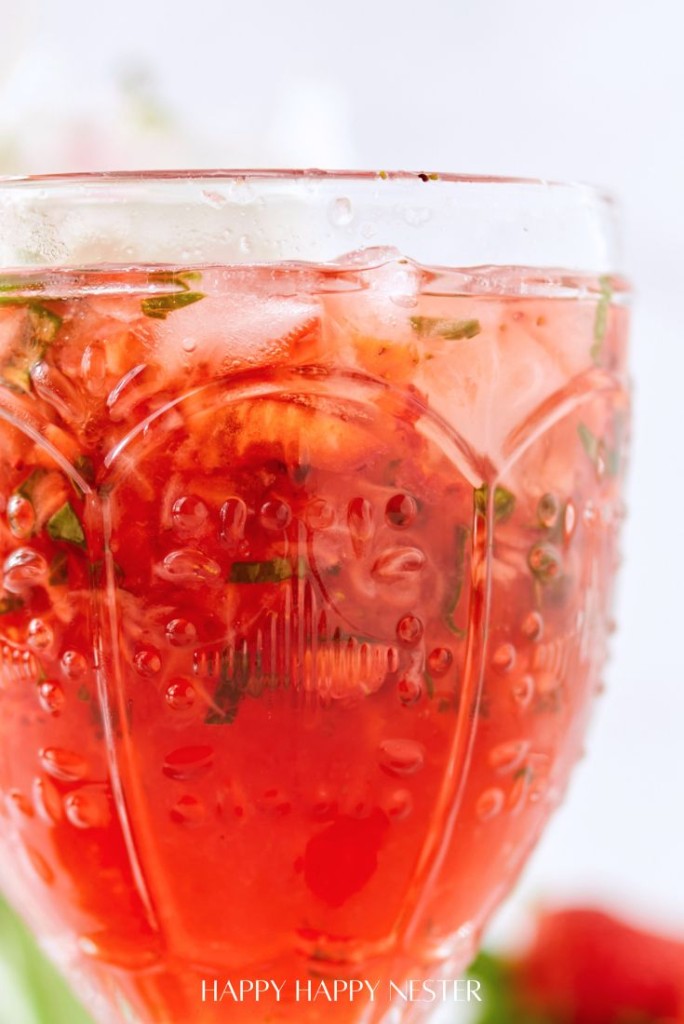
x,y
275,514
188,762
62,764
233,517
116,949
533,626
409,690
188,810
189,515
20,516
401,510
489,804
19,803
360,522
409,630
47,800
522,690
319,515
398,565
341,212
503,658
274,803
181,632
88,807
180,695
74,665
401,757
590,513
188,565
189,345
147,660
547,510
545,562
569,521
398,804
24,568
51,696
505,758
40,636
439,661
324,804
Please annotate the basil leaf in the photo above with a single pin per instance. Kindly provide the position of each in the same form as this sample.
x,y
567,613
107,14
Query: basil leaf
x,y
65,525
452,330
274,571
159,306
504,502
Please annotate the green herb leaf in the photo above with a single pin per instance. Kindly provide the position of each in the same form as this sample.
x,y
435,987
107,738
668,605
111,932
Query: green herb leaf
x,y
274,571
233,681
457,579
28,488
84,465
83,692
44,323
59,570
10,604
429,684
601,317
453,330
42,331
65,525
159,306
604,459
504,502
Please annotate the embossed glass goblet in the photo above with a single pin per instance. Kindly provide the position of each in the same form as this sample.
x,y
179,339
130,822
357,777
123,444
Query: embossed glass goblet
x,y
309,493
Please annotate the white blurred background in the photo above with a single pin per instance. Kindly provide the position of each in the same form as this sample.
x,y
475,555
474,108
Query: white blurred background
x,y
590,90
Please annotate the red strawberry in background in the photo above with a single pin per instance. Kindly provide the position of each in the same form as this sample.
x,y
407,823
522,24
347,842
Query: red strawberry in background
x,y
586,967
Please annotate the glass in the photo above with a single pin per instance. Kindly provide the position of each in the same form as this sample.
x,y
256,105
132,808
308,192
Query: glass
x,y
310,487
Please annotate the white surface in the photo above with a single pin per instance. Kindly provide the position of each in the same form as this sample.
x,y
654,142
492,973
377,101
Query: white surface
x,y
592,90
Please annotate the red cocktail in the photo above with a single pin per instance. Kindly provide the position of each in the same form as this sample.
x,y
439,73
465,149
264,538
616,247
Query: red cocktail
x,y
307,568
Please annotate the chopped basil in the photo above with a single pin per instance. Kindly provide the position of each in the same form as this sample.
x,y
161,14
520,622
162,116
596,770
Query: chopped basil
x,y
10,604
84,465
44,323
276,570
233,680
59,570
159,306
83,692
43,328
429,684
457,580
65,525
601,317
504,502
28,488
452,330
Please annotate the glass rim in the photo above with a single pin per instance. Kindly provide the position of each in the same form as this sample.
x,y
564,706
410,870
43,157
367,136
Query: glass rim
x,y
290,174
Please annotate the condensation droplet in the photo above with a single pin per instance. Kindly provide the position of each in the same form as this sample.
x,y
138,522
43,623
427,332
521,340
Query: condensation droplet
x,y
23,569
545,562
47,800
324,805
74,665
233,518
401,757
180,695
274,803
188,762
189,345
341,212
360,523
19,803
116,949
62,764
505,758
319,515
189,515
533,626
51,696
409,690
401,510
522,690
489,804
275,515
188,565
181,632
397,565
503,658
20,516
409,630
590,513
39,635
88,807
547,510
569,521
147,660
188,810
439,661
398,804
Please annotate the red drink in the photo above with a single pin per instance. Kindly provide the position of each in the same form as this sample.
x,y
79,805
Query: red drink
x,y
306,578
